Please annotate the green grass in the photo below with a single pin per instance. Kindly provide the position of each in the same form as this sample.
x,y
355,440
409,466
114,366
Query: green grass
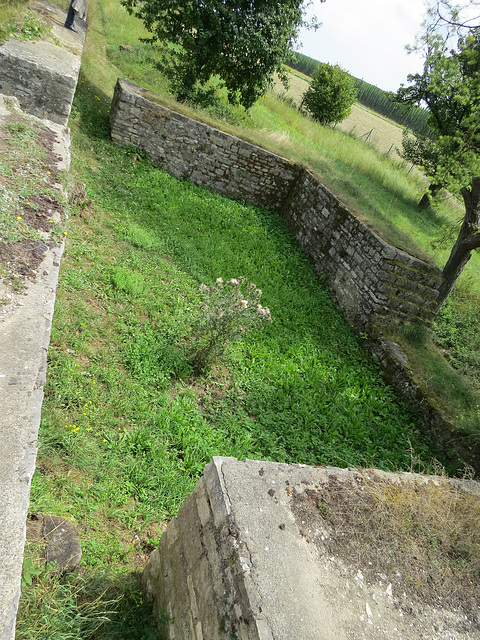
x,y
382,192
18,21
23,170
126,429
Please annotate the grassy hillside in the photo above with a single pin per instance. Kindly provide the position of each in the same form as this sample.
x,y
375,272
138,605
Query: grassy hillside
x,y
371,97
383,134
127,426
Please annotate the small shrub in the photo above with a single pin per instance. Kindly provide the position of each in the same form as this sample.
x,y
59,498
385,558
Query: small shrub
x,y
331,94
230,310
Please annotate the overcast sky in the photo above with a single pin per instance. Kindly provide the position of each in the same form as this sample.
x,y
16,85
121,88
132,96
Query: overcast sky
x,y
367,38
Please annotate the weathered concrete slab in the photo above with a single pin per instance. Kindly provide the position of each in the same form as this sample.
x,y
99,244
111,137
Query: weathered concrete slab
x,y
43,74
256,552
25,324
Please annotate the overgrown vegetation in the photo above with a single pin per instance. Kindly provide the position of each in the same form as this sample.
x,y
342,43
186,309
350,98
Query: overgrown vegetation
x,y
420,538
31,205
18,21
24,178
126,429
230,311
372,97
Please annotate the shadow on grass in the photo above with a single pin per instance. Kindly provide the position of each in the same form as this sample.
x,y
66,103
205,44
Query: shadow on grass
x,y
91,107
98,607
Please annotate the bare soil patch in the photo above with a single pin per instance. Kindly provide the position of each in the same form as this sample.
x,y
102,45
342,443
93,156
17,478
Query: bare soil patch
x,y
32,199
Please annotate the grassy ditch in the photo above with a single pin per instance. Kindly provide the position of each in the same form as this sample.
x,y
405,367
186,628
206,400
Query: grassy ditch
x,y
381,190
127,427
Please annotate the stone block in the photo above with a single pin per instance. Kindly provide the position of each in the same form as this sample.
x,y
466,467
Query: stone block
x,y
41,75
288,524
63,545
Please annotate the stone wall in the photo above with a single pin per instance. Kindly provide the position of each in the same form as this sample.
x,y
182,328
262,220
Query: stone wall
x,y
252,555
208,157
368,276
195,579
43,75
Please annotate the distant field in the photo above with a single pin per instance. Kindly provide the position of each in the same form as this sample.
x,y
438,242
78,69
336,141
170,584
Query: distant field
x,y
385,134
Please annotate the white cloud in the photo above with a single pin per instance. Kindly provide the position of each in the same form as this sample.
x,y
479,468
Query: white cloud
x,y
367,38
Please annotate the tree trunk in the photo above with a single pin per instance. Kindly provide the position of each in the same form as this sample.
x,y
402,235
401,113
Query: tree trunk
x,y
468,240
431,192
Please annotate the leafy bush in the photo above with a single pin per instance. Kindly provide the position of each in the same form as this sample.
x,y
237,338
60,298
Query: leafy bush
x,y
231,309
330,96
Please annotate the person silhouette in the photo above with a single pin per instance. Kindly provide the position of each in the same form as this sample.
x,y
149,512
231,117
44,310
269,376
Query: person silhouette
x,y
77,8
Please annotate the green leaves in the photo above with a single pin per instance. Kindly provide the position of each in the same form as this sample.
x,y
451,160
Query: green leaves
x,y
331,94
244,42
450,87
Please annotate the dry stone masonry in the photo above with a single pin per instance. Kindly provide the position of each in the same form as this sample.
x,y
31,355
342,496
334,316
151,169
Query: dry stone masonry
x,y
369,277
252,556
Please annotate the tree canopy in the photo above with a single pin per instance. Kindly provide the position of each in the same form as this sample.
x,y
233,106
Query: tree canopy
x,y
450,87
243,41
331,94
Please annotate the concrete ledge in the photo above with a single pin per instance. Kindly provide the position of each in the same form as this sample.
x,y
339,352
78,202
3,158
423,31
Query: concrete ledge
x,y
250,556
24,339
41,74
25,325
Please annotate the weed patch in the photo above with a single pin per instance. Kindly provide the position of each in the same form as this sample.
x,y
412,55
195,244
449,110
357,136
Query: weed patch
x,y
31,205
420,537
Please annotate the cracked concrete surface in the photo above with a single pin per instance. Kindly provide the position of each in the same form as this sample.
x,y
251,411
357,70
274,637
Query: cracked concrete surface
x,y
245,558
26,318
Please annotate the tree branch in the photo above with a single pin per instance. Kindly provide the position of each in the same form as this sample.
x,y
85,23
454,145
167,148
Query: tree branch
x,y
472,242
